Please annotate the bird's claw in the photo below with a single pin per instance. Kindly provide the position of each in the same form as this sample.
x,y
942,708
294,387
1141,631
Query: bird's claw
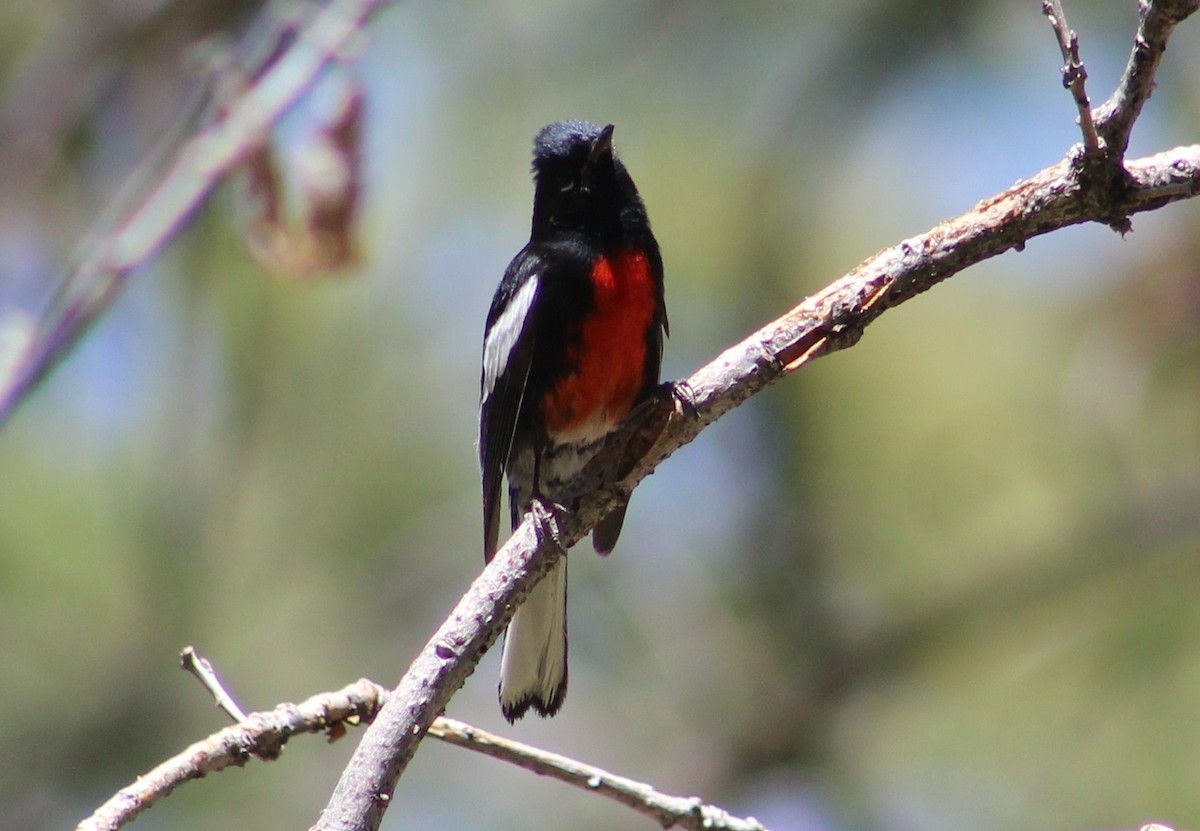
x,y
546,513
682,396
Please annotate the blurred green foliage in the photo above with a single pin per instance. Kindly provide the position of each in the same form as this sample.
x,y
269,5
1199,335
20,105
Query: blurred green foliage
x,y
947,578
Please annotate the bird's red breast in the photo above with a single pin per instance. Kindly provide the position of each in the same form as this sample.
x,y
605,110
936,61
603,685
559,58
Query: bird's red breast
x,y
607,361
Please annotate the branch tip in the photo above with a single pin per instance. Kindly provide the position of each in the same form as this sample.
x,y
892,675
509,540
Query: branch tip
x,y
1074,74
203,670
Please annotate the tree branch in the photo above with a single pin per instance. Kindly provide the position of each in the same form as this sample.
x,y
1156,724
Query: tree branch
x,y
206,675
669,811
443,665
264,735
200,165
1116,116
831,320
1073,72
261,734
1057,197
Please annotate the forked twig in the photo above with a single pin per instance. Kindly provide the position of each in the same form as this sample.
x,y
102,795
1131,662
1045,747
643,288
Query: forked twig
x,y
263,735
260,735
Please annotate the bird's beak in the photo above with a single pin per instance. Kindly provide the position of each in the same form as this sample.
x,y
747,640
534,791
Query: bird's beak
x,y
601,147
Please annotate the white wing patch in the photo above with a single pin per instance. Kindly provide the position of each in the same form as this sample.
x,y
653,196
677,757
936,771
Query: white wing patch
x,y
502,338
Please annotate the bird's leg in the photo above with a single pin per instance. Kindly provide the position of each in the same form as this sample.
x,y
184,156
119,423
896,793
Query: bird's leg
x,y
545,511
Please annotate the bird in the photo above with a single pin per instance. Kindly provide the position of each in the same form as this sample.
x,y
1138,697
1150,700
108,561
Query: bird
x,y
573,342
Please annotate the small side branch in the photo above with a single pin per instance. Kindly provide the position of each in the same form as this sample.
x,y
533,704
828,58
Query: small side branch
x,y
670,811
1074,75
264,735
1116,116
206,675
260,734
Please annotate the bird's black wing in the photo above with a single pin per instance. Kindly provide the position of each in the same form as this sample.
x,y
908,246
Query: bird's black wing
x,y
507,356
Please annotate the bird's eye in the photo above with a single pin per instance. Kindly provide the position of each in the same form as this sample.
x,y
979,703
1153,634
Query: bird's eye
x,y
568,185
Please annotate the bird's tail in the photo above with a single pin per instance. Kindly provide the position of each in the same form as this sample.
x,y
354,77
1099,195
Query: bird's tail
x,y
533,666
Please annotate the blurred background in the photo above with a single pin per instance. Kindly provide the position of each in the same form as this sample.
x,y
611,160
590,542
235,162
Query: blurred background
x,y
945,579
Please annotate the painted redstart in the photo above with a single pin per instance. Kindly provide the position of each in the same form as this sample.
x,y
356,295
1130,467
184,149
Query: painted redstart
x,y
573,342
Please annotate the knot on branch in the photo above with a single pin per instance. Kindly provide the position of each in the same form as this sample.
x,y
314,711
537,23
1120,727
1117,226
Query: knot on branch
x,y
1103,184
1099,166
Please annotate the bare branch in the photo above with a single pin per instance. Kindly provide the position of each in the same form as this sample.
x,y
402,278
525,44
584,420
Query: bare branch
x,y
261,734
365,789
828,321
1116,116
206,675
200,164
264,735
833,319
1074,75
670,811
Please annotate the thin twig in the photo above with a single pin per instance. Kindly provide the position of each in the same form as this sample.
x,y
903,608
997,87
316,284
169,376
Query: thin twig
x,y
204,672
1074,75
200,165
670,811
262,735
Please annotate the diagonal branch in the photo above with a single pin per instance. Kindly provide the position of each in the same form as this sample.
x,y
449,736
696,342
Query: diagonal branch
x,y
670,811
203,670
830,320
1116,116
200,165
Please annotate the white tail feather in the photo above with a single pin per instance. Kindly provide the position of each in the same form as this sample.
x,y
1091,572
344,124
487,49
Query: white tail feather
x,y
533,666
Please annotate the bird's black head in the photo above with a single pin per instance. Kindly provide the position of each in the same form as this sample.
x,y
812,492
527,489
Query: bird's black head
x,y
579,183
